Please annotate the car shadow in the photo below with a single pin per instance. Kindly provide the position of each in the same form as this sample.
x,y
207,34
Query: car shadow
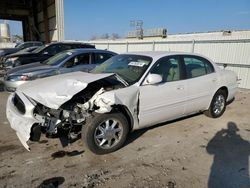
x,y
230,167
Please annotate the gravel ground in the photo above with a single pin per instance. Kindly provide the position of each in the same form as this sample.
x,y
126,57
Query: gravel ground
x,y
192,152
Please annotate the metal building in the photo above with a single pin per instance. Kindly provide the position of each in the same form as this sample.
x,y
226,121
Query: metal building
x,y
4,32
223,47
42,20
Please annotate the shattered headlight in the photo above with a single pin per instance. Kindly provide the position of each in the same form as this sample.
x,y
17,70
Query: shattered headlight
x,y
19,78
66,113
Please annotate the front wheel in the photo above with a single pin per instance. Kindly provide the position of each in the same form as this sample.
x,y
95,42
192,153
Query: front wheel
x,y
218,105
105,133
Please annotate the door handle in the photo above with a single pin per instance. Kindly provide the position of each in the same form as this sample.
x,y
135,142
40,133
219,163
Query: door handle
x,y
180,87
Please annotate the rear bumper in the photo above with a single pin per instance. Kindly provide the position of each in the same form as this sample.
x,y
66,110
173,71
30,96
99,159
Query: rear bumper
x,y
232,90
21,123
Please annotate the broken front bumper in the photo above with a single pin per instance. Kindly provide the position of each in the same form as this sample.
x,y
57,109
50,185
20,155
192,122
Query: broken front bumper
x,y
21,122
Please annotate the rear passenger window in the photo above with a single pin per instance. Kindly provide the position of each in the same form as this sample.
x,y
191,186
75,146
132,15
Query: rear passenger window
x,y
196,67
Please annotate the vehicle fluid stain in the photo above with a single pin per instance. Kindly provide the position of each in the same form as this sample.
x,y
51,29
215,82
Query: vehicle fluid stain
x,y
52,182
60,154
8,175
8,148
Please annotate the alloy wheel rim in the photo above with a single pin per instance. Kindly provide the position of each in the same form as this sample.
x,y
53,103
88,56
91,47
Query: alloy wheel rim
x,y
219,104
108,133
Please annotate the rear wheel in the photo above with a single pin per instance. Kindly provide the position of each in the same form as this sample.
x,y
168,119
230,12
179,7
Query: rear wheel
x,y
218,105
105,133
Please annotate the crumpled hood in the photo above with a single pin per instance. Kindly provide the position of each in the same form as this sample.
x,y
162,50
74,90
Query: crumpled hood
x,y
55,90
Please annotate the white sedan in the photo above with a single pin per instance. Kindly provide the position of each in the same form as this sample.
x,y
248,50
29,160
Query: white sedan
x,y
127,92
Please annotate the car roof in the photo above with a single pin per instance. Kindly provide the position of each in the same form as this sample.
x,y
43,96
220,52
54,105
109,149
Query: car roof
x,y
86,50
159,54
69,42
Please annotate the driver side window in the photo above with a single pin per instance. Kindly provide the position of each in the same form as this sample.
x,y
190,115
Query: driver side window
x,y
78,60
168,68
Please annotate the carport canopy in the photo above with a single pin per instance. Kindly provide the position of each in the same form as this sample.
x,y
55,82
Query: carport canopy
x,y
42,20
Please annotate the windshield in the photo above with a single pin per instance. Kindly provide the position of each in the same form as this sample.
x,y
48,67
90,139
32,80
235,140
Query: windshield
x,y
39,49
57,59
129,67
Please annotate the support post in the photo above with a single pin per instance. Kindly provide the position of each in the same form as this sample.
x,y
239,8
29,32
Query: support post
x,y
46,23
193,44
60,19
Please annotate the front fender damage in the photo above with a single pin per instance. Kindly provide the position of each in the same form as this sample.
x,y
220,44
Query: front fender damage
x,y
105,101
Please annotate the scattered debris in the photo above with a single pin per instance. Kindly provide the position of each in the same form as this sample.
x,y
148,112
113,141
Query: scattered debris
x,y
7,175
141,148
43,141
70,166
171,184
91,180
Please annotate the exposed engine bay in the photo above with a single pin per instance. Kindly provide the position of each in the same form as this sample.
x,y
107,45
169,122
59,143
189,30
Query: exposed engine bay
x,y
69,118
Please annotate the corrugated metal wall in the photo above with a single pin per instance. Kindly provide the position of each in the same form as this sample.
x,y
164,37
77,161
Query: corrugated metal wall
x,y
231,48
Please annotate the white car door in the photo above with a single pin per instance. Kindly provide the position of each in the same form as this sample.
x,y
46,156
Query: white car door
x,y
201,83
166,100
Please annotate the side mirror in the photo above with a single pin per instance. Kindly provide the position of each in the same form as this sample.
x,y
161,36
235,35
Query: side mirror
x,y
152,79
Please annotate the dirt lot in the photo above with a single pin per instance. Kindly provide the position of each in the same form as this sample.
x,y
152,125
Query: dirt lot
x,y
192,152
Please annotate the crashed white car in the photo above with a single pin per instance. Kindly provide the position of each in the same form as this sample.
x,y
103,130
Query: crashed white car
x,y
127,92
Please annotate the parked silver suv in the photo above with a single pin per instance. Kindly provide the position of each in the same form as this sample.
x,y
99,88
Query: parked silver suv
x,y
64,62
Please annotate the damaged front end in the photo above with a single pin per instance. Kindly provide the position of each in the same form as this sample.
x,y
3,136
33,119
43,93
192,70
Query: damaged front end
x,y
31,114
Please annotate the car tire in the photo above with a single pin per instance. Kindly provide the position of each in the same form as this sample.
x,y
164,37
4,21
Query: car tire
x,y
105,133
218,105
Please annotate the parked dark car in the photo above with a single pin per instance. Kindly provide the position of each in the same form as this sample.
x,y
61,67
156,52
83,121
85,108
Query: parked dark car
x,y
64,62
41,54
18,47
29,49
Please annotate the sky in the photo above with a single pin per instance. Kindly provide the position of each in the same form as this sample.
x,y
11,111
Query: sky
x,y
15,27
86,18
